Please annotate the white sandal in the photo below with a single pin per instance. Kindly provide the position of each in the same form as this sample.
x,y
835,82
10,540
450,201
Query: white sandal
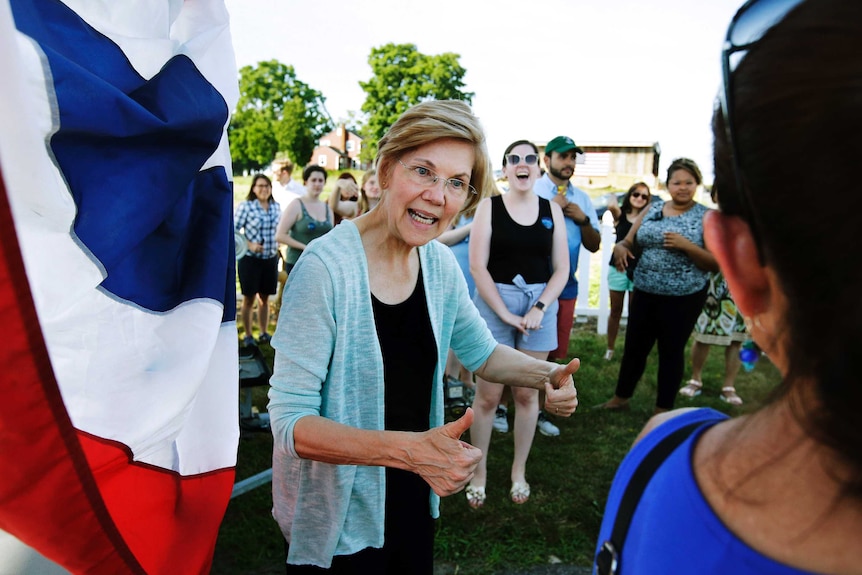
x,y
475,496
728,395
691,388
520,492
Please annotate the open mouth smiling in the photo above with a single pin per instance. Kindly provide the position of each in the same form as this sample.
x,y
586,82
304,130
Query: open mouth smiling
x,y
422,218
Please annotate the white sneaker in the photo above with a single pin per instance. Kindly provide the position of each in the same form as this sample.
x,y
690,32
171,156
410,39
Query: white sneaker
x,y
501,424
609,354
545,427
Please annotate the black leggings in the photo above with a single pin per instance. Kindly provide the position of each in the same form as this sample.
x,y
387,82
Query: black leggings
x,y
667,320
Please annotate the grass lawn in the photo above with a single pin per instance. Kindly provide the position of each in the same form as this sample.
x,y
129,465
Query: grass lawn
x,y
570,476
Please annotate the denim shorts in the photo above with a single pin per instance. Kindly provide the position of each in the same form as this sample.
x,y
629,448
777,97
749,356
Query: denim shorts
x,y
519,298
619,281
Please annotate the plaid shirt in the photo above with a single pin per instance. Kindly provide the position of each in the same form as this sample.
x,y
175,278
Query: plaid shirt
x,y
258,225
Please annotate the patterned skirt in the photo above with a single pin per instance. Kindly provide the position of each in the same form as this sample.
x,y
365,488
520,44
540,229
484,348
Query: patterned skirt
x,y
719,323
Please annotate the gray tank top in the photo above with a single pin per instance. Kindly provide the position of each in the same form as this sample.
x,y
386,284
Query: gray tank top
x,y
306,229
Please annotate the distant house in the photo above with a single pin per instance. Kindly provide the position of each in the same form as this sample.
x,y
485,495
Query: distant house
x,y
338,150
615,164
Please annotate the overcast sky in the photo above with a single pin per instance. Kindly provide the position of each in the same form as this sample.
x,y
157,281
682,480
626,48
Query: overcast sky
x,y
595,70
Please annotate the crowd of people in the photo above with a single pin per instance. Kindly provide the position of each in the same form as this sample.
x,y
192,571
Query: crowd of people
x,y
424,272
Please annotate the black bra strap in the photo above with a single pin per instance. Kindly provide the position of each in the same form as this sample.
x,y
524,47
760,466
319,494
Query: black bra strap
x,y
608,557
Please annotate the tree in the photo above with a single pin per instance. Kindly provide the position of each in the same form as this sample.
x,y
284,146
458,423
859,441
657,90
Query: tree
x,y
276,112
403,76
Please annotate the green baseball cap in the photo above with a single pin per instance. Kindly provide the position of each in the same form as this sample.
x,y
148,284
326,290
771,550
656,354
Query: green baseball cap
x,y
562,144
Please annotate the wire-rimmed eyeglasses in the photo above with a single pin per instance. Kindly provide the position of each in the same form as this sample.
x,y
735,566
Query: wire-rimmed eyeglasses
x,y
425,176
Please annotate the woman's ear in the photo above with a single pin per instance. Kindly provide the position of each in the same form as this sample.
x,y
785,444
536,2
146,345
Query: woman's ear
x,y
730,241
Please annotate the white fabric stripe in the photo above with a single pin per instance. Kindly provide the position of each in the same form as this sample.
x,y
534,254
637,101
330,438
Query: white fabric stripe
x,y
115,363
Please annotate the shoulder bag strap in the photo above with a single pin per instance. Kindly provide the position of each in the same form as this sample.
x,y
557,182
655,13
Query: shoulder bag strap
x,y
608,558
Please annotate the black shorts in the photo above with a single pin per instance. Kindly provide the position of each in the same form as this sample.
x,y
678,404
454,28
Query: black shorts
x,y
257,275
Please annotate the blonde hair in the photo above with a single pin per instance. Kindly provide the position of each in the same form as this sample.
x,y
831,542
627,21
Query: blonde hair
x,y
433,120
364,205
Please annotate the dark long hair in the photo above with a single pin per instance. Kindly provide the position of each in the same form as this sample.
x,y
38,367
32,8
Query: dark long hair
x,y
798,140
626,206
250,195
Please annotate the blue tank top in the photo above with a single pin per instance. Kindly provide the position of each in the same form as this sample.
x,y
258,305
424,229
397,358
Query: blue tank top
x,y
674,529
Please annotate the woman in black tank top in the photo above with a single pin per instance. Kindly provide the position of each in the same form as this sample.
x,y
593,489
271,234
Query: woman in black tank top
x,y
519,261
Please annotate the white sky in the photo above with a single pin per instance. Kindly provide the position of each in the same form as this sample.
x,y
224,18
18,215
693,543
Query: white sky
x,y
595,70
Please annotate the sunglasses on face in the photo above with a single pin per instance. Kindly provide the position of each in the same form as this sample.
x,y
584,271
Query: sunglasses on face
x,y
640,195
529,159
746,29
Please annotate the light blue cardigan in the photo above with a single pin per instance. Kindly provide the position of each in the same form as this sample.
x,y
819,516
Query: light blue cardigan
x,y
328,362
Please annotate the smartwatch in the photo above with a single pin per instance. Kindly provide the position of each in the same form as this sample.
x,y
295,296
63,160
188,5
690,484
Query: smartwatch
x,y
540,306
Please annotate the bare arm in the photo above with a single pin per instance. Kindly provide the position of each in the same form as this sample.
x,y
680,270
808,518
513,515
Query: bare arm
x,y
590,237
285,223
337,203
623,249
511,367
438,455
657,420
614,209
455,235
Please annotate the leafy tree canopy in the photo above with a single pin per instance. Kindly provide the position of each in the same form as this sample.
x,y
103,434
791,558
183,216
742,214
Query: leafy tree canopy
x,y
401,77
276,112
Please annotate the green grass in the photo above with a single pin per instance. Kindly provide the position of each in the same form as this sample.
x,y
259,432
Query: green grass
x,y
569,475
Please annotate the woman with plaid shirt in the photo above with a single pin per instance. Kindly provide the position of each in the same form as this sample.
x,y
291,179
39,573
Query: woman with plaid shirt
x,y
257,218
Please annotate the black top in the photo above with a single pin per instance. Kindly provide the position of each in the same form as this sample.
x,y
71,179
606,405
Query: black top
x,y
517,249
409,359
622,227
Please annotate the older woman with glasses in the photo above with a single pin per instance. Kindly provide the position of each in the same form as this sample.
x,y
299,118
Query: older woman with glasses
x,y
778,490
361,455
519,260
256,219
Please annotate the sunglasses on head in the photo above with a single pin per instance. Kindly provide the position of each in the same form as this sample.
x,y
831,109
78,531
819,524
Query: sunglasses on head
x,y
751,22
529,159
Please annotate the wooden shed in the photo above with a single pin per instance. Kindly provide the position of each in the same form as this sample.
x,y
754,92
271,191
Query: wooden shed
x,y
615,164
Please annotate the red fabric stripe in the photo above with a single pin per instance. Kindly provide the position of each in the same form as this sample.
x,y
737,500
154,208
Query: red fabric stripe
x,y
48,497
169,521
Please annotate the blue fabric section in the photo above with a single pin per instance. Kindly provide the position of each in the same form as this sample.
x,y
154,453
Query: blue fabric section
x,y
131,151
674,529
